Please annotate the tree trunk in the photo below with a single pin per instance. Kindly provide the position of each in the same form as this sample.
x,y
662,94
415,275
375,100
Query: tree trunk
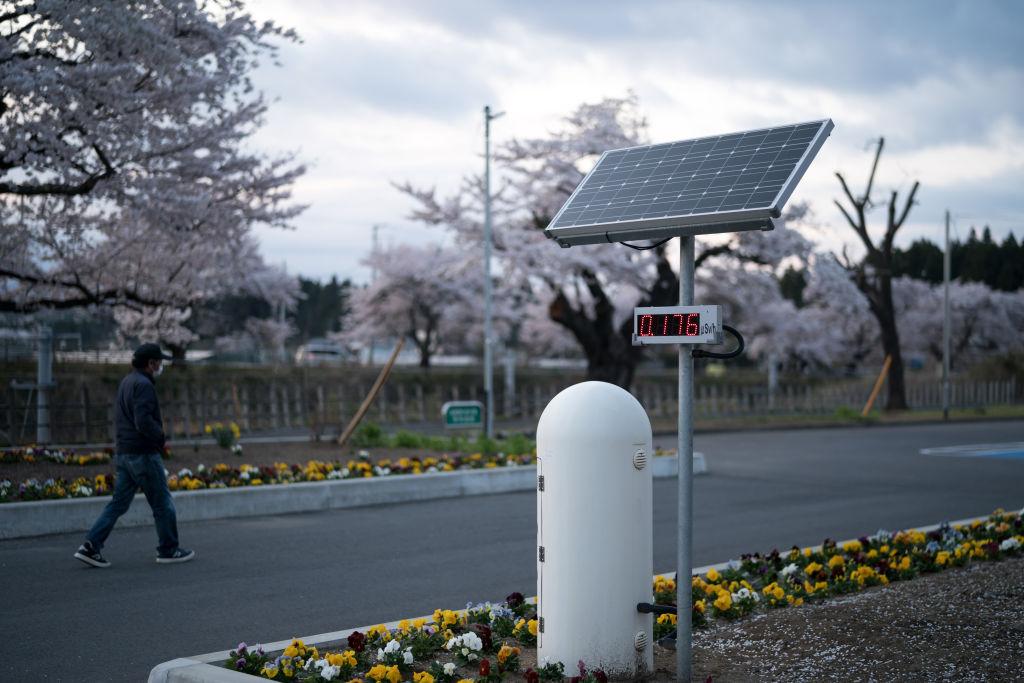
x,y
886,316
891,345
611,356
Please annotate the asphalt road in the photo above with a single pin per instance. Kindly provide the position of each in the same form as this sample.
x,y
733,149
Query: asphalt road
x,y
270,578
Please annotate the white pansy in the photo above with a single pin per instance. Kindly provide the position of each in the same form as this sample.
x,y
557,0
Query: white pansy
x,y
184,472
789,569
1009,544
449,669
244,476
329,672
407,656
393,646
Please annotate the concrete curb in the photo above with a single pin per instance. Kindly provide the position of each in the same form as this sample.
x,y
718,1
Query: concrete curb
x,y
203,668
38,518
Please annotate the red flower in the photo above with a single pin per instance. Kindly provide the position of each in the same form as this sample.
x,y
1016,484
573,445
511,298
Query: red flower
x,y
531,676
485,668
601,676
357,641
515,600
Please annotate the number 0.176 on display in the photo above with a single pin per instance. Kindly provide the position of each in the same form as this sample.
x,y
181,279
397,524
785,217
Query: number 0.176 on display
x,y
677,325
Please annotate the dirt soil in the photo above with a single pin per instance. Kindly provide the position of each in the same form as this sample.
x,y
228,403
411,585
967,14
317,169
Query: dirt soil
x,y
959,625
187,456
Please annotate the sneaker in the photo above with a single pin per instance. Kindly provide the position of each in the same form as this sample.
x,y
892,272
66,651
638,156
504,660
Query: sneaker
x,y
86,553
179,555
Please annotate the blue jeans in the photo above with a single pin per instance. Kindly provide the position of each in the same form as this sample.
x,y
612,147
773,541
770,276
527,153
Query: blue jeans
x,y
135,471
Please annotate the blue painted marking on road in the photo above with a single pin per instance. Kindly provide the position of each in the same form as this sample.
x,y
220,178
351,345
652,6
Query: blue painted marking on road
x,y
1003,451
1006,455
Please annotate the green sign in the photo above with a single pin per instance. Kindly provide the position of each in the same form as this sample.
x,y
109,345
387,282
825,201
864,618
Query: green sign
x,y
463,414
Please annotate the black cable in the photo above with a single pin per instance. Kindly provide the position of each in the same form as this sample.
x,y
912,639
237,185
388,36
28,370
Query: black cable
x,y
701,353
636,246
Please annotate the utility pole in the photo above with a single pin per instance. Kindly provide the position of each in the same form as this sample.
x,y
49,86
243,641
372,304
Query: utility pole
x,y
44,382
488,332
945,324
373,279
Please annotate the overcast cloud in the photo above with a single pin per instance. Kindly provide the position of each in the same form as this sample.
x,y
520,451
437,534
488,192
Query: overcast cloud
x,y
383,92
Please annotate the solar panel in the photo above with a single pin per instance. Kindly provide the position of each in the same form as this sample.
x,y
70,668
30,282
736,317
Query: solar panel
x,y
721,183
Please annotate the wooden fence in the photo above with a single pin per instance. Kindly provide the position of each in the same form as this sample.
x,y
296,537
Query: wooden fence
x,y
82,412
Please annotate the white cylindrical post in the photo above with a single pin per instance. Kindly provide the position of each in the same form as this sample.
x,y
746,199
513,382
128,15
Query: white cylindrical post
x,y
595,530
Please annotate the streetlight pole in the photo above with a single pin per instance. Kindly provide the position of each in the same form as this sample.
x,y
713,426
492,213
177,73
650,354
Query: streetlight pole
x,y
488,351
945,324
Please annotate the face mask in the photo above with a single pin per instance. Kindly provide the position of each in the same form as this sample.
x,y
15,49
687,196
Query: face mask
x,y
159,371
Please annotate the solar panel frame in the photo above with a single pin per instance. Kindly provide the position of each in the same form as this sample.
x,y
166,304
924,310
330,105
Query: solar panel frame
x,y
707,222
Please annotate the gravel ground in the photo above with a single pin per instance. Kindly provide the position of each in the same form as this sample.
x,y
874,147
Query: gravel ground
x,y
959,625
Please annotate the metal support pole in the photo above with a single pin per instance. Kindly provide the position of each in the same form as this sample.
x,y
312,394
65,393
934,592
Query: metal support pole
x,y
44,380
945,324
488,332
684,635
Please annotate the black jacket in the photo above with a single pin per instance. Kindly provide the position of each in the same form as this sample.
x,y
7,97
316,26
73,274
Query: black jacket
x,y
137,415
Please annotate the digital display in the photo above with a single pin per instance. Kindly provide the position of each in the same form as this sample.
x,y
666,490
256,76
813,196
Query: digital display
x,y
677,325
668,325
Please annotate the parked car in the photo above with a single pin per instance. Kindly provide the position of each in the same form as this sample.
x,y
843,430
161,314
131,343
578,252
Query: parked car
x,y
321,352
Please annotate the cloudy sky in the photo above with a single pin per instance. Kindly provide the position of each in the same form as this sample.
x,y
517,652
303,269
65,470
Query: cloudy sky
x,y
381,92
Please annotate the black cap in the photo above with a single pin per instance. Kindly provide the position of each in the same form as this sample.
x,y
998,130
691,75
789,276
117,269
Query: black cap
x,y
151,351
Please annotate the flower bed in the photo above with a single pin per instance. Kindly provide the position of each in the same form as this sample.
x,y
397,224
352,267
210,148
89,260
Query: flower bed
x,y
61,456
487,642
223,475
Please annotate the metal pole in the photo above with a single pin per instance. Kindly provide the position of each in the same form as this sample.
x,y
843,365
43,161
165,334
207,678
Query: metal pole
x,y
44,379
684,633
488,360
945,324
373,280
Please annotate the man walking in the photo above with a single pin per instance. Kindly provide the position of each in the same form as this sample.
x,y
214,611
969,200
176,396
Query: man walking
x,y
140,441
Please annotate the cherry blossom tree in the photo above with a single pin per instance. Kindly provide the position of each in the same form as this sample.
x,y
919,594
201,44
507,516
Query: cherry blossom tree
x,y
427,294
589,291
125,176
982,320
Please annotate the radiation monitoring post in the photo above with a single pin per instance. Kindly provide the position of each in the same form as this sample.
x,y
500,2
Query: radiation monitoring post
x,y
717,184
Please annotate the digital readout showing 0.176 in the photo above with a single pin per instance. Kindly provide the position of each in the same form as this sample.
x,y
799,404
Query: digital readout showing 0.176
x,y
669,325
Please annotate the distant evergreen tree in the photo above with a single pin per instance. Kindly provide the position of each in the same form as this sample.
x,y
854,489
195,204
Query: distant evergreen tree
x,y
792,284
922,261
1000,266
321,308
